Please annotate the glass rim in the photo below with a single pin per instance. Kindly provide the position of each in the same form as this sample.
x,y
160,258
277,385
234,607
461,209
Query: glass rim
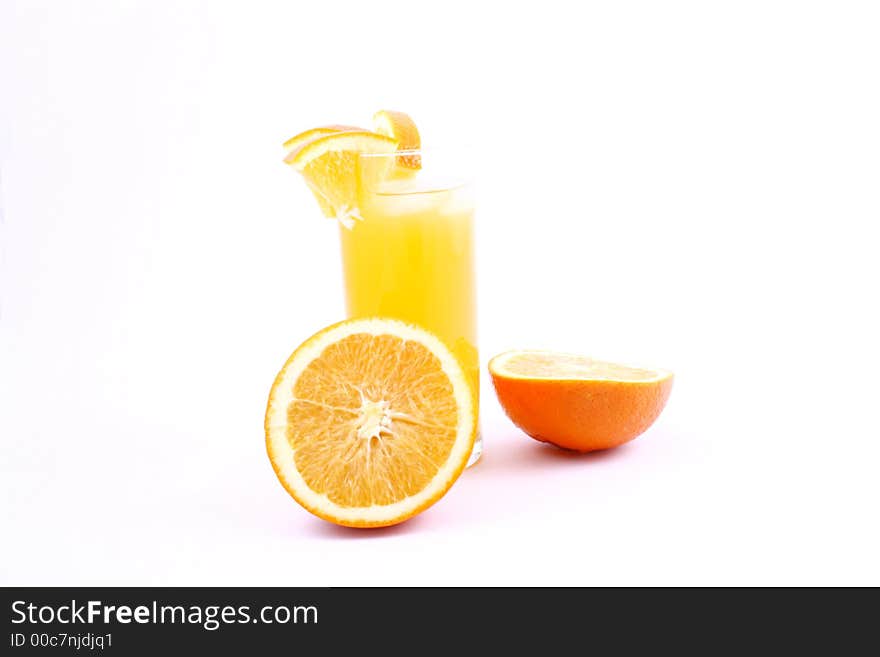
x,y
427,189
463,150
446,169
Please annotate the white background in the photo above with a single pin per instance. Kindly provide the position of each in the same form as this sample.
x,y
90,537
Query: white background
x,y
689,185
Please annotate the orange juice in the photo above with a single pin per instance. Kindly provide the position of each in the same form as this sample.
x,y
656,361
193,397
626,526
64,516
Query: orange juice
x,y
411,257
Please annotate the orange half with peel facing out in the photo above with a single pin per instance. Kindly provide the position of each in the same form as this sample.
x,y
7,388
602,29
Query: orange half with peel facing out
x,y
575,402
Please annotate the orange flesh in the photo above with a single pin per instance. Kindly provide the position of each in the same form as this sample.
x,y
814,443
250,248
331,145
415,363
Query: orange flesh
x,y
565,366
342,449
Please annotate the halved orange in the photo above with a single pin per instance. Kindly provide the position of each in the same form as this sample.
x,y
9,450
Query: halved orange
x,y
333,170
400,127
577,402
370,422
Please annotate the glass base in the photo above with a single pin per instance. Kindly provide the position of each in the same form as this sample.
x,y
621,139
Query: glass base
x,y
477,451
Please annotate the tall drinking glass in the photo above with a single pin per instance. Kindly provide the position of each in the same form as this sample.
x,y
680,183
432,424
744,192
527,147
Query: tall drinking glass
x,y
410,254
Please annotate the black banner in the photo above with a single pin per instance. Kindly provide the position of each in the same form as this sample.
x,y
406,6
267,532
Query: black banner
x,y
150,621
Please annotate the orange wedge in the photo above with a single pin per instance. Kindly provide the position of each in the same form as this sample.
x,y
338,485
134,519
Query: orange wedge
x,y
298,140
577,402
370,422
400,127
330,165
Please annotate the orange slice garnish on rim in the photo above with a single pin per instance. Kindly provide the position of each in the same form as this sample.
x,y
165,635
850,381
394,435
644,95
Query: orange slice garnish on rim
x,y
298,140
400,127
333,170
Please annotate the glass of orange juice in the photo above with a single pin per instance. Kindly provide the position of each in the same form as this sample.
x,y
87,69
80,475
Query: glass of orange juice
x,y
410,254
